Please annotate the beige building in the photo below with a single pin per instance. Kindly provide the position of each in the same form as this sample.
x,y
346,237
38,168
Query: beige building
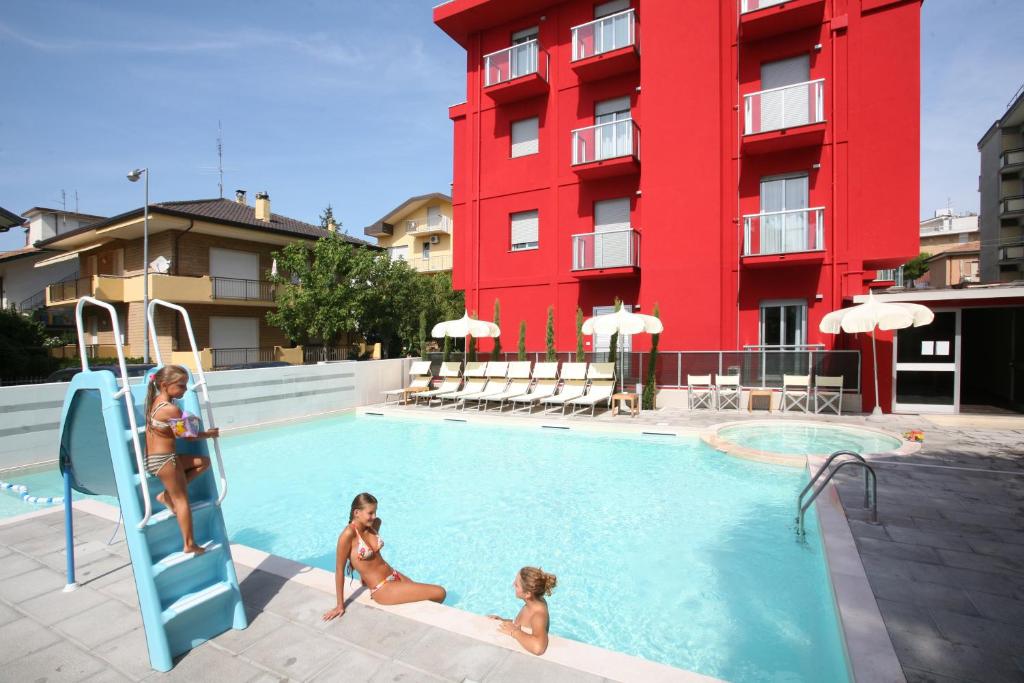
x,y
955,265
947,229
211,256
419,231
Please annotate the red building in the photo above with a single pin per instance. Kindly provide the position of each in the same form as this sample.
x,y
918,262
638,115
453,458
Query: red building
x,y
747,164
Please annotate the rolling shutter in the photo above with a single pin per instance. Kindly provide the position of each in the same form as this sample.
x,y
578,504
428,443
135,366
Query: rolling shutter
x,y
606,8
525,229
612,240
525,137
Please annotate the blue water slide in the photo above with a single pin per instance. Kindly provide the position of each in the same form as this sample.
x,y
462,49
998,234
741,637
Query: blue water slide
x,y
185,599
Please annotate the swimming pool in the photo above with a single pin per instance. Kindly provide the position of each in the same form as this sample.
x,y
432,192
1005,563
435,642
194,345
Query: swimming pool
x,y
807,439
663,547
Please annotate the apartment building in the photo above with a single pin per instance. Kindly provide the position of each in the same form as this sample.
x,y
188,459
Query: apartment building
x,y
210,255
1001,184
749,165
418,231
946,229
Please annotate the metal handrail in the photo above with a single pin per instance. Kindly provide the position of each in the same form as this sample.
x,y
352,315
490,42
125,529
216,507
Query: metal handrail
x,y
125,391
781,213
870,486
534,56
784,87
153,303
631,40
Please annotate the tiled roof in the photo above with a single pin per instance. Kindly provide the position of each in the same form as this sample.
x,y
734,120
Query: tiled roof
x,y
398,210
965,247
15,254
9,220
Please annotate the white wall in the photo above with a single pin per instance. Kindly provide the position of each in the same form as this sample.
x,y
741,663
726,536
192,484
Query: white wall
x,y
22,280
30,414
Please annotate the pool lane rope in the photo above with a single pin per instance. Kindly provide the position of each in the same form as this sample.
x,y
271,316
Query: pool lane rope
x,y
21,491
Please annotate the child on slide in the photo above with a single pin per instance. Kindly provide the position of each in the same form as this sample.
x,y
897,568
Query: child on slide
x,y
165,422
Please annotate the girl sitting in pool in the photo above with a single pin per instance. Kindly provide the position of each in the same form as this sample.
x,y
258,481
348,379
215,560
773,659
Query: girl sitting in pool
x,y
165,422
531,585
360,544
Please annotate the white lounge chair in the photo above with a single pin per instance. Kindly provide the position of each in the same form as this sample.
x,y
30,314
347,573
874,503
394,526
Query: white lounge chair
x,y
796,392
420,375
828,393
602,386
545,377
728,391
473,382
497,381
574,383
451,380
518,385
699,392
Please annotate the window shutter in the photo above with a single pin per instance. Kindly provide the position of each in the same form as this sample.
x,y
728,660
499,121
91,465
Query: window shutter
x,y
785,72
613,106
525,137
525,229
604,9
611,214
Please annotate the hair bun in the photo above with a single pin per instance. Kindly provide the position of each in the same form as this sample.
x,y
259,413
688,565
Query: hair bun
x,y
550,581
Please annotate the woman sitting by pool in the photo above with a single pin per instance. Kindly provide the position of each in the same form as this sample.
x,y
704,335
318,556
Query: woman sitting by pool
x,y
360,543
531,585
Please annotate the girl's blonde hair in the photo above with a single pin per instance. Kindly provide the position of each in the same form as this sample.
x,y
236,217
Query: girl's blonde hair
x,y
168,374
358,503
536,581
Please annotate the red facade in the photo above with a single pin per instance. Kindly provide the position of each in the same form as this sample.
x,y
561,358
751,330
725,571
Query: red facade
x,y
769,155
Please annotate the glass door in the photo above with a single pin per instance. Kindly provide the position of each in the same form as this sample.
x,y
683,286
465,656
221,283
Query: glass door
x,y
926,371
614,139
784,226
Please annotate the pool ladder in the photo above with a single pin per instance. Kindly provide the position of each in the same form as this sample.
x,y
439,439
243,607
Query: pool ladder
x,y
870,486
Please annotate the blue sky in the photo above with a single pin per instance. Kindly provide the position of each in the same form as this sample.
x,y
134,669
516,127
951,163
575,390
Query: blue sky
x,y
339,102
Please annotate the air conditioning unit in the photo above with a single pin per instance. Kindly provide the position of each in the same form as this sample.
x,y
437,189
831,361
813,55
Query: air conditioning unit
x,y
435,239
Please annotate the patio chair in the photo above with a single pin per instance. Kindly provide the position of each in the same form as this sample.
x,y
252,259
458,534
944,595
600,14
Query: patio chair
x,y
700,393
474,381
497,382
545,384
519,382
451,380
420,375
828,393
602,386
796,392
574,383
728,391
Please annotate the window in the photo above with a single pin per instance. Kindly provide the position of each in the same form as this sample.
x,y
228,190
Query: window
x,y
525,35
525,137
399,253
613,7
613,243
524,230
785,225
783,106
426,250
613,132
785,72
783,323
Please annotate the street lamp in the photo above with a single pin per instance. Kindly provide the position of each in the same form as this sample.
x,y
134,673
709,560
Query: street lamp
x,y
134,176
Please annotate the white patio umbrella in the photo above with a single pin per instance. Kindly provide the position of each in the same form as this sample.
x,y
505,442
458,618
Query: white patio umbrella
x,y
872,313
465,327
622,322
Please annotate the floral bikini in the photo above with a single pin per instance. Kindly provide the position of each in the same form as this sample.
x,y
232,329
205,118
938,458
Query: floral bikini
x,y
365,552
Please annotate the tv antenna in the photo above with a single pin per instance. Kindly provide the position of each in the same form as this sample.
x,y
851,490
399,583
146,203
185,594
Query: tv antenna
x,y
220,159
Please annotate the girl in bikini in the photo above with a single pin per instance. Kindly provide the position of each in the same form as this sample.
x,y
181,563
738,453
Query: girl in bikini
x,y
360,544
174,471
530,627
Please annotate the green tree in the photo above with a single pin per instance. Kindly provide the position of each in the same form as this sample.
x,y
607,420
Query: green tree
x,y
423,334
496,352
549,336
650,389
327,217
613,344
521,355
23,347
916,267
471,347
446,353
580,356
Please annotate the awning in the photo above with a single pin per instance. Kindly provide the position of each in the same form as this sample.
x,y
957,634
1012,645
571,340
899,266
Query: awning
x,y
67,255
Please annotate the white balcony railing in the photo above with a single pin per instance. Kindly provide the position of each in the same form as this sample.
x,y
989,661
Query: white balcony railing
x,y
426,227
515,62
784,232
605,141
604,35
431,264
609,249
754,5
786,107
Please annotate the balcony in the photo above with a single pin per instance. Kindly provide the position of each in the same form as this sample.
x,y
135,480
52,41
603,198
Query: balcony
x,y
1012,206
516,73
1011,252
380,229
784,118
605,47
431,264
609,253
607,149
242,290
441,227
766,18
175,288
794,237
1012,160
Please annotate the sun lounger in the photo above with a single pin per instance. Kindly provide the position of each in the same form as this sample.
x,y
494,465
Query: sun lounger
x,y
796,392
420,375
545,377
574,383
602,386
518,385
497,381
474,382
450,381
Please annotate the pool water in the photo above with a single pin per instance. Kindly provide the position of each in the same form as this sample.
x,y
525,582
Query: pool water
x,y
663,547
808,439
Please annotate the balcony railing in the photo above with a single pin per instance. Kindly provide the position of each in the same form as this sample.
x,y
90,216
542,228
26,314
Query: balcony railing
x,y
786,107
784,232
1012,252
432,264
605,141
36,301
320,354
1011,157
604,35
754,5
223,358
426,227
515,62
246,290
893,275
69,290
609,249
1014,204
